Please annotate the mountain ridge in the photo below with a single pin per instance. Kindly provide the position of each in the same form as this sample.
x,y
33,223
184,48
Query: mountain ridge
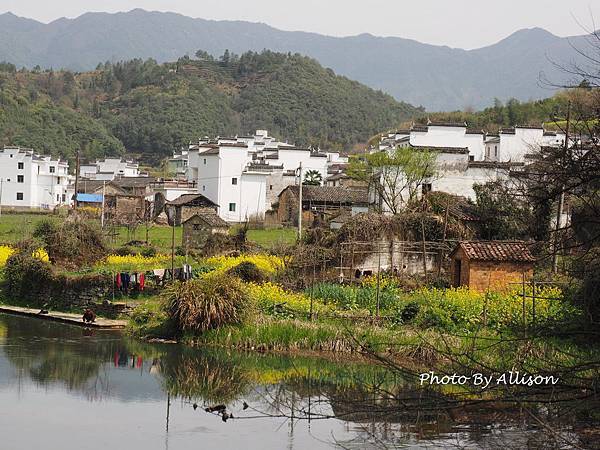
x,y
152,109
438,77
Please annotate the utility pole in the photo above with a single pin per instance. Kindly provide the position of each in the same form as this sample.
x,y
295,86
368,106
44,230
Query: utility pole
x,y
561,199
300,204
76,179
1,181
103,197
173,249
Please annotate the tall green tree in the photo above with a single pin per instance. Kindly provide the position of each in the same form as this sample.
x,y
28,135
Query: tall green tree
x,y
395,176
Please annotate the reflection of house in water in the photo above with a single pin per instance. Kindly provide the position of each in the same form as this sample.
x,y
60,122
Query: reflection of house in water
x,y
483,265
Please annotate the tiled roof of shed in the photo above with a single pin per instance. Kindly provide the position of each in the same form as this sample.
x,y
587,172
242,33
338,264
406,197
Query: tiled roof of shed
x,y
331,194
514,251
210,217
184,199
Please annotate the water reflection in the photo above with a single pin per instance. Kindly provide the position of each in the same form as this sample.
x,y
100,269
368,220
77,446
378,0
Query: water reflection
x,y
68,381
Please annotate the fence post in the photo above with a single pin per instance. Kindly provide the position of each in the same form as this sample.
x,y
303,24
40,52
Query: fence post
x,y
312,287
533,300
378,276
485,302
352,264
524,310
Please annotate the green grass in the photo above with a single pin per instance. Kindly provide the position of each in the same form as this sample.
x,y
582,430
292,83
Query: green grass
x,y
15,227
159,236
272,237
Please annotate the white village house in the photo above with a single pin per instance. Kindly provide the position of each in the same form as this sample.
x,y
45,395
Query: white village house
x,y
245,174
109,168
466,156
32,181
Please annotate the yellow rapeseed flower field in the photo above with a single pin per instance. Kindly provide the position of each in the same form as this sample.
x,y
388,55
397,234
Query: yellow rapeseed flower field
x,y
6,252
266,263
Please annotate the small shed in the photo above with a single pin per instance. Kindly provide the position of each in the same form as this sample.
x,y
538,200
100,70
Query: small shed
x,y
89,200
320,200
197,228
482,265
186,205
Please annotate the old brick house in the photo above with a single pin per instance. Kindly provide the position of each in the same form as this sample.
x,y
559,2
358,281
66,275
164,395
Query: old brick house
x,y
483,265
197,228
186,205
320,201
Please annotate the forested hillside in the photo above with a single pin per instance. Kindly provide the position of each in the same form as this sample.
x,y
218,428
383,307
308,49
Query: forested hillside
x,y
152,109
550,112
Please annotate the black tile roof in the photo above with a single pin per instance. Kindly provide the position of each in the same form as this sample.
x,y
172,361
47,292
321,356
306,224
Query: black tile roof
x,y
331,194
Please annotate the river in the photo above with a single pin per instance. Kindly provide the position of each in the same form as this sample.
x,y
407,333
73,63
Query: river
x,y
68,388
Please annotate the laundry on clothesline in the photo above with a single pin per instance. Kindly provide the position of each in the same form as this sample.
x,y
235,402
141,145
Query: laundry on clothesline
x,y
126,281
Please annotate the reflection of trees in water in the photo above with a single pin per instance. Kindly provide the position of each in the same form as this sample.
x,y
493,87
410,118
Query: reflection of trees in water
x,y
50,353
379,405
192,374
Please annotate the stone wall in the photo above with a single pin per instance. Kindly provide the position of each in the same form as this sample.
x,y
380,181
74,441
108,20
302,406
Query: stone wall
x,y
69,291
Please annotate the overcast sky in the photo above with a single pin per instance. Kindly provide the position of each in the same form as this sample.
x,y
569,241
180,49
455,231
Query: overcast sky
x,y
457,23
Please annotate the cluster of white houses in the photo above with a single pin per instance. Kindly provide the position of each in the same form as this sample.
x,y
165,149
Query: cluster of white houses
x,y
29,180
244,176
109,168
466,156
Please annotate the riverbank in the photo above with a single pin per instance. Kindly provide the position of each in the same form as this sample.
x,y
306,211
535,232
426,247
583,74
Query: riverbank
x,y
64,317
403,346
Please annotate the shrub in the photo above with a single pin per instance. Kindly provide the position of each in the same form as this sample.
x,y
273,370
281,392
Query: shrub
x,y
45,230
125,250
151,319
27,276
409,311
217,243
148,251
72,243
211,302
248,272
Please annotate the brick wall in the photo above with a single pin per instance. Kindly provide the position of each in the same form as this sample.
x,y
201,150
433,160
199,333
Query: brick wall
x,y
483,275
497,275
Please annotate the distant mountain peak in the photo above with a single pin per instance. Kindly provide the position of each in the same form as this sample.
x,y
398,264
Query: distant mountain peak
x,y
439,77
529,34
